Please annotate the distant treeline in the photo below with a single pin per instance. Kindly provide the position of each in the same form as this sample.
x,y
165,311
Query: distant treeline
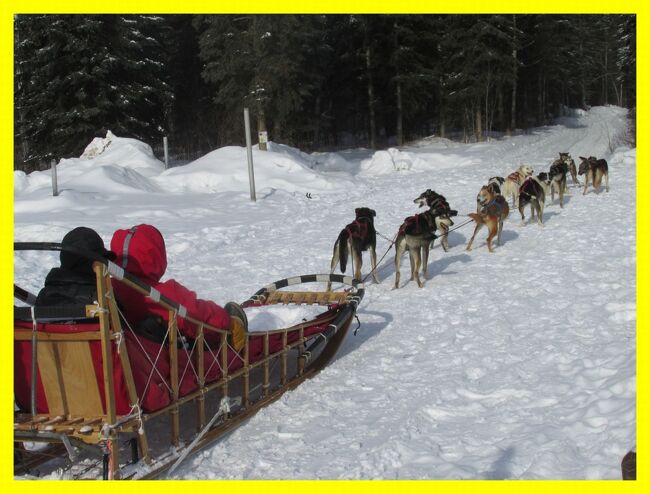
x,y
312,81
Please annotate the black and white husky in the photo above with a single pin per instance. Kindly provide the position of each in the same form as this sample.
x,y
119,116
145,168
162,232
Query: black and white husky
x,y
356,237
557,175
566,158
532,192
437,202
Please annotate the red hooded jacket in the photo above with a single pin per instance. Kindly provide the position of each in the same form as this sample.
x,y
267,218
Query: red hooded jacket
x,y
141,251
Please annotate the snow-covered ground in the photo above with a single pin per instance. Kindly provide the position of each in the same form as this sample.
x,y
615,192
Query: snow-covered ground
x,y
519,364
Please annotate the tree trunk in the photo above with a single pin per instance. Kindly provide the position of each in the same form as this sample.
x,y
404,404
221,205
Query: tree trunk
x,y
540,99
605,89
441,111
581,58
371,91
500,120
479,124
400,132
513,103
317,130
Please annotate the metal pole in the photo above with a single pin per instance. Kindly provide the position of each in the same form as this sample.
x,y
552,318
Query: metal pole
x,y
249,154
166,152
55,187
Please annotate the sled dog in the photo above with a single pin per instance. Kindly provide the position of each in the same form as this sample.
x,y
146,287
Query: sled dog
x,y
439,205
513,182
557,175
494,184
416,235
356,237
594,170
566,158
532,192
495,209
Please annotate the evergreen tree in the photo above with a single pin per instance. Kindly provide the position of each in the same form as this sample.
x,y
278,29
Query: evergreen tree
x,y
478,54
192,120
313,80
416,70
78,76
254,61
626,60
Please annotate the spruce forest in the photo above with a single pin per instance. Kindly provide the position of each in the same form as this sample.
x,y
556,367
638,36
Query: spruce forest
x,y
316,82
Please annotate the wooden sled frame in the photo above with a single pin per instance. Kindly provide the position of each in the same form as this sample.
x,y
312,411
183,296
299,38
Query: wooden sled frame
x,y
82,413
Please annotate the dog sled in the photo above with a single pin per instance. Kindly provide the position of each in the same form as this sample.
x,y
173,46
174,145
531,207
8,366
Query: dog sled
x,y
96,399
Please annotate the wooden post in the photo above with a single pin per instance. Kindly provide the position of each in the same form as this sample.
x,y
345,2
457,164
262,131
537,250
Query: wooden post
x,y
200,364
107,361
172,328
301,352
224,363
249,154
266,382
116,326
246,384
166,152
55,186
285,353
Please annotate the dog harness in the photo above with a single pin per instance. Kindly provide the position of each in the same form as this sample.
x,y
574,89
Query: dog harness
x,y
358,228
412,226
493,203
558,168
528,184
515,177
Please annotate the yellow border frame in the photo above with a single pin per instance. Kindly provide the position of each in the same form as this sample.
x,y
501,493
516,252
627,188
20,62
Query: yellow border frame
x,y
10,7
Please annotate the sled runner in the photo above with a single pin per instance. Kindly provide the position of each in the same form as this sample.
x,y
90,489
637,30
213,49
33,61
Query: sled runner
x,y
98,398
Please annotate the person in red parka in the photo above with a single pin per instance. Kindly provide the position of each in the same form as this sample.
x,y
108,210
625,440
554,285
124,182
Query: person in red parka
x,y
141,251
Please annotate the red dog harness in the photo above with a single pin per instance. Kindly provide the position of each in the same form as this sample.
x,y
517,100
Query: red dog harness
x,y
515,177
357,229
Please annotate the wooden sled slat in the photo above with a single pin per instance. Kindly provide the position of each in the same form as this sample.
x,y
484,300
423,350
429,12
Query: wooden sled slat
x,y
320,298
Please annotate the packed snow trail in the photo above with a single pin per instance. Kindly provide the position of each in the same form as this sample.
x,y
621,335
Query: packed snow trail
x,y
517,364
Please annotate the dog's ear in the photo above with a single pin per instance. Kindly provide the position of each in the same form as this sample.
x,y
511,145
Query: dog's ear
x,y
372,211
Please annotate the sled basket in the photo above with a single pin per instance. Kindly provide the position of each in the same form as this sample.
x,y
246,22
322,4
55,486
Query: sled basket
x,y
100,400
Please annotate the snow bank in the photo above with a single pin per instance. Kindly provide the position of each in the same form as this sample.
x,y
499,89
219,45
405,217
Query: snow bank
x,y
392,160
226,169
112,163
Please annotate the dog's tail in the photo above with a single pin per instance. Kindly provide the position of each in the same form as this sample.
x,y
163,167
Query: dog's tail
x,y
477,217
598,177
343,250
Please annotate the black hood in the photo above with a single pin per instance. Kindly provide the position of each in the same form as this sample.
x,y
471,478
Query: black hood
x,y
84,239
